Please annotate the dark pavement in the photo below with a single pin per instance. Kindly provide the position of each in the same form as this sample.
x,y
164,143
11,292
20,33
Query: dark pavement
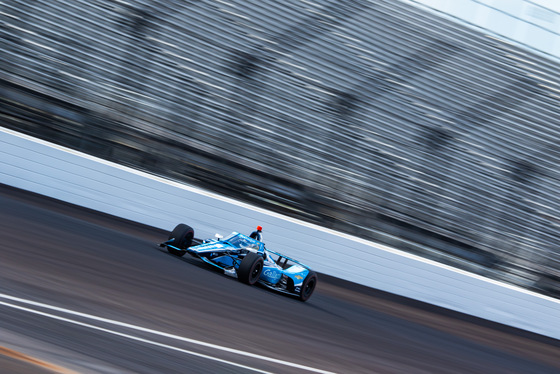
x,y
112,272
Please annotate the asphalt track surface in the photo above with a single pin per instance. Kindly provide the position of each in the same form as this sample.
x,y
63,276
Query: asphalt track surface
x,y
83,292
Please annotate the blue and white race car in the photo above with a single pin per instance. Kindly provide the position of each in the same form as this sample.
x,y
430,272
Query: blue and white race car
x,y
247,259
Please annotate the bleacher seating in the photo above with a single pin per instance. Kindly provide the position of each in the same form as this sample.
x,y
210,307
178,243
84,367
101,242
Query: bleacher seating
x,y
379,106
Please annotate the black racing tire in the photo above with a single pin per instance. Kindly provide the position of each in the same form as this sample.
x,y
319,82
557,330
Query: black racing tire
x,y
183,235
250,268
308,286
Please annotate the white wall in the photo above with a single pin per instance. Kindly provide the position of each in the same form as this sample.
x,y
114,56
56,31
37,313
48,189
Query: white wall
x,y
38,166
533,24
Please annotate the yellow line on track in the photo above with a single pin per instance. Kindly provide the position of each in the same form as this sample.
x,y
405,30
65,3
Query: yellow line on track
x,y
34,361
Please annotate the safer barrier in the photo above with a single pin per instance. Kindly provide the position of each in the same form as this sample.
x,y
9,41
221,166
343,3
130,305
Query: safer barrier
x,y
77,178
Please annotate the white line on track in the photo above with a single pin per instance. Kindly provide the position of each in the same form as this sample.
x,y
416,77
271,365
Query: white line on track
x,y
154,332
130,337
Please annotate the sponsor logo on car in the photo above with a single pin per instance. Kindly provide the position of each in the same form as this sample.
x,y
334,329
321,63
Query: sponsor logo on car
x,y
298,277
272,275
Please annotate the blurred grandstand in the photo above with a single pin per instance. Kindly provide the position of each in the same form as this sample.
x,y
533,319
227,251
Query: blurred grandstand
x,y
374,118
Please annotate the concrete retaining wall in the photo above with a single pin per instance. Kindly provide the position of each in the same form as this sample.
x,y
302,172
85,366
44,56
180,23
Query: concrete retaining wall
x,y
64,174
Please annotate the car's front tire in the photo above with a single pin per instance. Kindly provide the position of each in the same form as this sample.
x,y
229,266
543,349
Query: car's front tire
x,y
183,236
250,268
308,286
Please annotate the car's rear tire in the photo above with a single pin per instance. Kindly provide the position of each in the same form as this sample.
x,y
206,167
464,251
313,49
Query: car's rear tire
x,y
183,236
308,286
250,268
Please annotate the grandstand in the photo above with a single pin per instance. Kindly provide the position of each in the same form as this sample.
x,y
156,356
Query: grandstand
x,y
376,118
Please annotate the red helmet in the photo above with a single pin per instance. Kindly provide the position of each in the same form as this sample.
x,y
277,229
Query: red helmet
x,y
259,228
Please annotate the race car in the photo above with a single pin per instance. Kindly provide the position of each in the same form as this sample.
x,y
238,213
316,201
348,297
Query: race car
x,y
246,259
